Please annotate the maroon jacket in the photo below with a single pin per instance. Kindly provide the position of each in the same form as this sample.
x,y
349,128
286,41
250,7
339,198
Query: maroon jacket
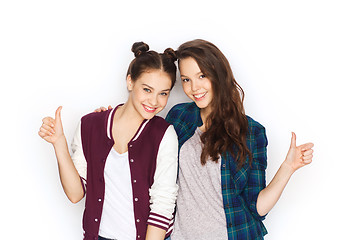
x,y
142,155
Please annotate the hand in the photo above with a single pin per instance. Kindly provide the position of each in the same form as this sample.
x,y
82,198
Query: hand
x,y
103,109
298,156
52,129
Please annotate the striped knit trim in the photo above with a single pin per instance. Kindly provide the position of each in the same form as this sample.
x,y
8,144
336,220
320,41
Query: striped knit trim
x,y
141,129
109,125
83,184
170,228
159,221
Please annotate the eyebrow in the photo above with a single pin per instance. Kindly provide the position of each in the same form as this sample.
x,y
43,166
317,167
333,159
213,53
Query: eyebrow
x,y
195,74
154,89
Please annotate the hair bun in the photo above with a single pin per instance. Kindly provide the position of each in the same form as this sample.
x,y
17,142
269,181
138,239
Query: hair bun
x,y
139,47
169,52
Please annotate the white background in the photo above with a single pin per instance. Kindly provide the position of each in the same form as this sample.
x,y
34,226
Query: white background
x,y
294,59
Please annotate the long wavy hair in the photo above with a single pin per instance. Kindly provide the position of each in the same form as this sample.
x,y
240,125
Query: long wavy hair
x,y
226,125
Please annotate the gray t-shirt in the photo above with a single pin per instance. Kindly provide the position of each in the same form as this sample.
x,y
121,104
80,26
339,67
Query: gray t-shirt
x,y
200,213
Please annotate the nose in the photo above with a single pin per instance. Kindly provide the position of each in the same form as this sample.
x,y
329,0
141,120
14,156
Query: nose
x,y
195,86
153,99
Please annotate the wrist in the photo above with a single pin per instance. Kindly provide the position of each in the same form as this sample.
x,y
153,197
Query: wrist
x,y
60,142
287,168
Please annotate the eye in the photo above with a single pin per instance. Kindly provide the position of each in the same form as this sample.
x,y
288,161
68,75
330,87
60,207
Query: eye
x,y
202,76
185,79
147,90
164,94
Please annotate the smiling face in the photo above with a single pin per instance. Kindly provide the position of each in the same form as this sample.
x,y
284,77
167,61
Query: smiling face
x,y
195,84
149,93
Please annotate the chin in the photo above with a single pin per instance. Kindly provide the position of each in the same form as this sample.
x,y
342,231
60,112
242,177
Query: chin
x,y
202,105
149,115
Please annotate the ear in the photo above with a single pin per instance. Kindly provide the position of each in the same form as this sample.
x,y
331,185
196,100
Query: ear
x,y
130,83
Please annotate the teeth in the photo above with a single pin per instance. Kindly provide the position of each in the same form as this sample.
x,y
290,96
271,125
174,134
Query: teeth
x,y
199,95
149,108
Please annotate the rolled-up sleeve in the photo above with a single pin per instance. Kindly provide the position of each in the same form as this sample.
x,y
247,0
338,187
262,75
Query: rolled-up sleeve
x,y
256,178
78,156
163,192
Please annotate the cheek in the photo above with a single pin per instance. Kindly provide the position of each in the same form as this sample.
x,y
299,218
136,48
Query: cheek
x,y
208,85
186,88
163,101
137,95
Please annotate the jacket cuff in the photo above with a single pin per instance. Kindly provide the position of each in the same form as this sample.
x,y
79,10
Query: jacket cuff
x,y
159,221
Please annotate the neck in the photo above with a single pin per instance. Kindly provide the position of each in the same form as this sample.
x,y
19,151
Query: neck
x,y
204,114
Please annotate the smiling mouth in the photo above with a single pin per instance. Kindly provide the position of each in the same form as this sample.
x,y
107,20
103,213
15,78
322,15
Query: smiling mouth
x,y
149,109
199,96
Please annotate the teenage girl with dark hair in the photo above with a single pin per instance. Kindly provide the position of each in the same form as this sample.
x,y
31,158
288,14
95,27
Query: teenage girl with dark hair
x,y
124,159
222,153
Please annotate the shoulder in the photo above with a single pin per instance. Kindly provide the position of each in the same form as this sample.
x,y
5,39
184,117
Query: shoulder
x,y
253,123
257,143
254,127
158,122
95,115
183,112
256,134
182,108
257,138
170,137
157,125
95,119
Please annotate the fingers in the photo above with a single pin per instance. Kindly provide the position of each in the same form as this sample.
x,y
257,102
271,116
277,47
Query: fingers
x,y
306,146
307,152
44,133
58,113
307,161
307,156
48,121
101,109
44,136
46,128
293,140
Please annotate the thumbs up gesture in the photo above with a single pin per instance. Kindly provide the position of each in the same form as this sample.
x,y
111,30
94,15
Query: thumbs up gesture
x,y
299,156
52,129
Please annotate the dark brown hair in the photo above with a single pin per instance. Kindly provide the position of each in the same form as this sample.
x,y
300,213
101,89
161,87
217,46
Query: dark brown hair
x,y
146,60
227,124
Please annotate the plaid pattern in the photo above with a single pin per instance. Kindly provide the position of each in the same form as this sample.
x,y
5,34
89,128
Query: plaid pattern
x,y
240,187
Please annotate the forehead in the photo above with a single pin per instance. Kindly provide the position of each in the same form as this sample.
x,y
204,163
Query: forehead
x,y
188,66
156,79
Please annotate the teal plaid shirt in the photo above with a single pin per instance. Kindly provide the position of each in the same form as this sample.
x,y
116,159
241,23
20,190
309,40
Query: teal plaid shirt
x,y
240,187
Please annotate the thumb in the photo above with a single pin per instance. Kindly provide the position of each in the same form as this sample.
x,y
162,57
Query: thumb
x,y
293,140
58,114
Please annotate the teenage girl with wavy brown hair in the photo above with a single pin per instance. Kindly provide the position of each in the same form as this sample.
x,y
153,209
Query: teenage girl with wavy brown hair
x,y
222,153
124,160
